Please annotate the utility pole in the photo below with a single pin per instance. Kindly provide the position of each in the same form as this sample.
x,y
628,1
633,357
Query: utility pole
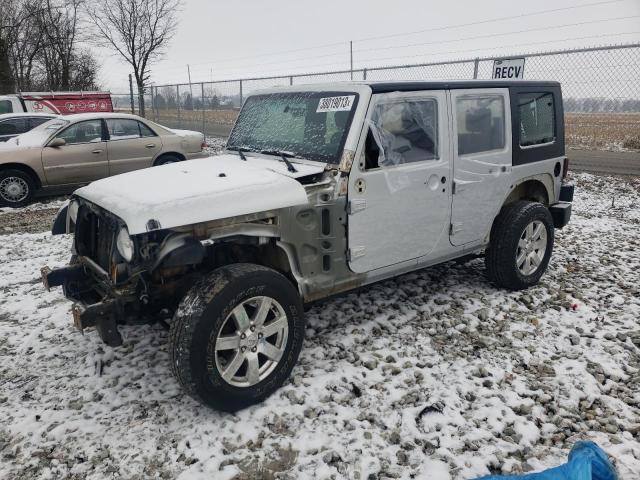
x,y
351,56
133,108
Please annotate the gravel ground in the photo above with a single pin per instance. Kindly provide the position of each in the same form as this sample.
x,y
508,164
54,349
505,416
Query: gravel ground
x,y
435,374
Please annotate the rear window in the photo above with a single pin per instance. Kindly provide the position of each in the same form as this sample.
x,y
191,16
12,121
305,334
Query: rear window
x,y
481,123
537,118
6,106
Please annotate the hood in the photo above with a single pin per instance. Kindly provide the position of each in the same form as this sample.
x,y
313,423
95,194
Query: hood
x,y
19,143
200,190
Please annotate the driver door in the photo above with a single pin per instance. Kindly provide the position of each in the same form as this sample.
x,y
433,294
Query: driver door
x,y
399,190
82,159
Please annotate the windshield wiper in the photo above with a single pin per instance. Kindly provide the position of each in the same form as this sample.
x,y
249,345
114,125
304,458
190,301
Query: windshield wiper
x,y
284,156
241,151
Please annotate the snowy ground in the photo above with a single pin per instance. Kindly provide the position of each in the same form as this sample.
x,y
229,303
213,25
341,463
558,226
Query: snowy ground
x,y
434,375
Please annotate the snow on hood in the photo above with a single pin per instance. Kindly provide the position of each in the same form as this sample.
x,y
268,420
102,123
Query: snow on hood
x,y
200,190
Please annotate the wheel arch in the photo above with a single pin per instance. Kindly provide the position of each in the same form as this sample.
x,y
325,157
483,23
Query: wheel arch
x,y
23,168
536,189
178,155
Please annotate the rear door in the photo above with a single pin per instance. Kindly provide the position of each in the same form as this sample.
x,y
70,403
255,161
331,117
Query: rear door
x,y
132,145
399,195
83,158
481,159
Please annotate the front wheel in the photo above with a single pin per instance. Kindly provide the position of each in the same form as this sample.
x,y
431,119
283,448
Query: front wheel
x,y
16,188
236,336
520,246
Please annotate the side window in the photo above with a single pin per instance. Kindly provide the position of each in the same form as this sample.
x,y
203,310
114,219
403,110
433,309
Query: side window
x,y
14,126
146,131
537,119
89,131
37,121
123,129
6,106
402,132
481,123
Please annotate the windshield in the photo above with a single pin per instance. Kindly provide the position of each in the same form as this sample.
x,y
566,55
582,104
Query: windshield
x,y
311,125
41,133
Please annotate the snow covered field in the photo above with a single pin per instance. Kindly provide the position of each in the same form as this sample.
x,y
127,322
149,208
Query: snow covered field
x,y
434,375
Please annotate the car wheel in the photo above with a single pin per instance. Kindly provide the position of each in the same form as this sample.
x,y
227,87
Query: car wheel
x,y
236,336
166,160
16,188
521,245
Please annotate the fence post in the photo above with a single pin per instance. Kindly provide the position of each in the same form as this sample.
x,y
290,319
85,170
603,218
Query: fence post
x,y
364,74
291,80
475,67
240,93
178,97
204,122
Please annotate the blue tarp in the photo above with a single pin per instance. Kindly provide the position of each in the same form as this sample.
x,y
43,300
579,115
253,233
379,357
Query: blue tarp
x,y
587,461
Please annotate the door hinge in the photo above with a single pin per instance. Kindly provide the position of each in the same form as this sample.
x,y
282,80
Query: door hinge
x,y
356,252
356,205
453,188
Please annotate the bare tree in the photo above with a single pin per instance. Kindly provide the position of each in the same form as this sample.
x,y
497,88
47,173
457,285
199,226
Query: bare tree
x,y
139,30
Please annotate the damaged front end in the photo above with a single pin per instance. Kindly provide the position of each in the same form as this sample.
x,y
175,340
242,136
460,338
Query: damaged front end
x,y
116,279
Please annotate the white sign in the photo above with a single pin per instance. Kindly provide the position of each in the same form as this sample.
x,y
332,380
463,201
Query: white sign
x,y
336,104
509,69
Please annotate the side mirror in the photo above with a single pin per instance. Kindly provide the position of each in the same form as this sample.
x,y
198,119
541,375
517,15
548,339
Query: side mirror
x,y
57,142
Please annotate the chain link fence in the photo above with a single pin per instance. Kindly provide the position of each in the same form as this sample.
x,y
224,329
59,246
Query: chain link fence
x,y
601,89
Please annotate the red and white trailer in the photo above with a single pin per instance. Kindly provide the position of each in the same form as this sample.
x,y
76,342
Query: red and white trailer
x,y
60,103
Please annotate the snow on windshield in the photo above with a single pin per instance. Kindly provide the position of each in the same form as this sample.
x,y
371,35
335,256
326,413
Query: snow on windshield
x,y
40,134
311,125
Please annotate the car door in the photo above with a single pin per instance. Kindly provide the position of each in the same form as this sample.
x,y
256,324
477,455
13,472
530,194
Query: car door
x,y
481,160
399,195
82,159
13,127
132,145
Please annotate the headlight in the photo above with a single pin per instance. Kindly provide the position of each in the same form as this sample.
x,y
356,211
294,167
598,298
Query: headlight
x,y
125,244
73,211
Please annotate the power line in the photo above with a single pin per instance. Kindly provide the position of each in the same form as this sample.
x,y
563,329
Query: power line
x,y
440,42
434,29
307,72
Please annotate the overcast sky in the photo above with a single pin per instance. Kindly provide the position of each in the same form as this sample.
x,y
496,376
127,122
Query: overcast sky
x,y
248,38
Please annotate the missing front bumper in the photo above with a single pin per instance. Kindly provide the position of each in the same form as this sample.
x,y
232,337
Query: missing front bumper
x,y
101,315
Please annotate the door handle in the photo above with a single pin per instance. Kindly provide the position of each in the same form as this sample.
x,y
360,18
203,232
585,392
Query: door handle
x,y
443,180
151,145
97,152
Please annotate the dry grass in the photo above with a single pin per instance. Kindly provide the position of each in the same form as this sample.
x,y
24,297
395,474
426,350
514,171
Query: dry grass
x,y
603,130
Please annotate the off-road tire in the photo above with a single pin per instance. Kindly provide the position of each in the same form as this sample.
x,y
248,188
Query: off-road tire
x,y
27,179
500,259
201,315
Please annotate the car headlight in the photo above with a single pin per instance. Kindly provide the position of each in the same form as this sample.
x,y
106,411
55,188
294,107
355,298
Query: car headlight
x,y
124,244
73,211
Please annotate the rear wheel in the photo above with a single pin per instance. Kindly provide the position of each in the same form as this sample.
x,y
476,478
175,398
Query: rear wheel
x,y
521,245
236,336
16,188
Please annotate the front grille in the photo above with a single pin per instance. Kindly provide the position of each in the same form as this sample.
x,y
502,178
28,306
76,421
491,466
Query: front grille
x,y
95,236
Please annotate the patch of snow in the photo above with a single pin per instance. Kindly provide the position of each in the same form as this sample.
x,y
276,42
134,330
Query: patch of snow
x,y
435,374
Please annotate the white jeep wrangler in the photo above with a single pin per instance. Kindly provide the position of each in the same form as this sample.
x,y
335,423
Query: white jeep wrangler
x,y
322,189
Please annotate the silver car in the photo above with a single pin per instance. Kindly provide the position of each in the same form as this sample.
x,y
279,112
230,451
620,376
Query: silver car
x,y
65,152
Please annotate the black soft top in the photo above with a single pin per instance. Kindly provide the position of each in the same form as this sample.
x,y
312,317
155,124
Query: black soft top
x,y
411,86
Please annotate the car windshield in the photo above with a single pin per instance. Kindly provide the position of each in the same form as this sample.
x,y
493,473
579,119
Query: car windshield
x,y
310,125
39,135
